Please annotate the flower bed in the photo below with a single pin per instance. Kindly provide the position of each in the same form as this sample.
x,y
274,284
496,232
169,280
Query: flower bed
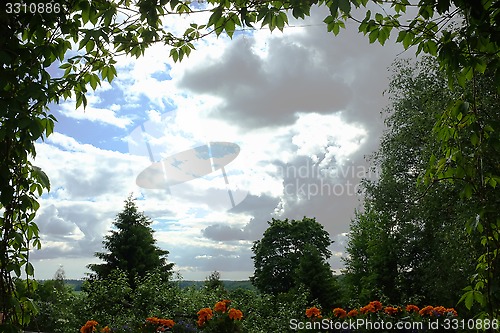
x,y
221,319
376,317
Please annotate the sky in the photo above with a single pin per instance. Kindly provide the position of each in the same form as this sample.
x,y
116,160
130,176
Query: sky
x,y
263,125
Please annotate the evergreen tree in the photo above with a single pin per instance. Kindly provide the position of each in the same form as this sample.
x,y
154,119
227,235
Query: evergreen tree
x,y
131,248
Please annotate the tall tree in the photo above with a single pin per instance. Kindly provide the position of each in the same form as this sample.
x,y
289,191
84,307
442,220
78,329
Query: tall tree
x,y
131,247
278,257
411,241
315,274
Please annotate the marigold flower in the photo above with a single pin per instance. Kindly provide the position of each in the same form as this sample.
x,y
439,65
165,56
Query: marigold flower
x,y
201,322
452,311
352,313
313,312
367,308
106,329
428,310
412,308
376,305
89,326
391,310
153,320
167,322
235,314
439,311
204,315
339,312
221,306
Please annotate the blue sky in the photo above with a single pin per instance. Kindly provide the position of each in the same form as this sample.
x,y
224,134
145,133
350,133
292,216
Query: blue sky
x,y
302,106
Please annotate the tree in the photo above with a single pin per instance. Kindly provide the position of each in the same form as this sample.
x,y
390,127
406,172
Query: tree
x,y
31,41
315,274
213,281
411,241
277,256
58,306
131,248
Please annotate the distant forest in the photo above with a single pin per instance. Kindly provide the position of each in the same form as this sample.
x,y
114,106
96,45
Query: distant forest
x,y
228,284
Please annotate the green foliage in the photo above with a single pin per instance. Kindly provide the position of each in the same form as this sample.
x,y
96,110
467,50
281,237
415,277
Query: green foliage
x,y
285,255
58,307
214,283
410,243
316,276
270,313
132,248
108,300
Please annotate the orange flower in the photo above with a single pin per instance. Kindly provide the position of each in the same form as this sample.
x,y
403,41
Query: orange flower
x,y
204,315
439,310
313,312
428,310
153,320
106,329
339,312
412,308
235,314
352,313
452,311
391,310
222,306
367,308
167,322
89,326
376,305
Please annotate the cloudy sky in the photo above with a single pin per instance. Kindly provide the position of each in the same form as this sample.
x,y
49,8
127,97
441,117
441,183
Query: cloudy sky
x,y
286,119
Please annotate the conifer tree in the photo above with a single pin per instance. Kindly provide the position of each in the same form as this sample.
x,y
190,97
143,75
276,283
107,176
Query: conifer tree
x,y
131,248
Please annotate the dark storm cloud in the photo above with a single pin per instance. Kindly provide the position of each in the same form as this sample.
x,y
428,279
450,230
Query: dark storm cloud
x,y
259,93
312,71
330,192
73,230
261,208
223,232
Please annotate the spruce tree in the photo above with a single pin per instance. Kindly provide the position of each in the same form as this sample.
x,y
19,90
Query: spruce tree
x,y
131,248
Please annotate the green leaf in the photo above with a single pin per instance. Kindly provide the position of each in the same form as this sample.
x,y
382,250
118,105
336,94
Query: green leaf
x,y
30,270
174,53
42,177
493,182
373,36
334,8
401,36
229,27
345,6
474,139
469,299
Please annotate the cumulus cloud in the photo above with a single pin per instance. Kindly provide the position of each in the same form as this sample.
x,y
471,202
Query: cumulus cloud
x,y
302,106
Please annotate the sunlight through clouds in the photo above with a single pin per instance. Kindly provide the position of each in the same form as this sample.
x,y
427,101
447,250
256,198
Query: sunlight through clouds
x,y
298,106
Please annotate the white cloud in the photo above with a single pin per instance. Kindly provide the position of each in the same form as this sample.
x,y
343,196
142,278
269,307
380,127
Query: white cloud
x,y
106,114
301,99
